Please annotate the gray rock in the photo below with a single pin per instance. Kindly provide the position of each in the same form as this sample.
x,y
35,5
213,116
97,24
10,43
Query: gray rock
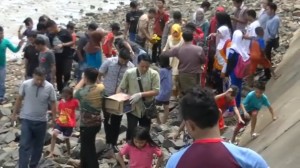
x,y
9,137
47,138
5,111
161,139
9,164
100,146
4,156
46,163
75,152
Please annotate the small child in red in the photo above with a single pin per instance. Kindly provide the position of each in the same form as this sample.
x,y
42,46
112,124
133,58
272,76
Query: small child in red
x,y
107,46
66,120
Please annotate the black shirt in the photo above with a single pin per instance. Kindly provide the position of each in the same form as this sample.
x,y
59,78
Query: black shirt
x,y
32,57
132,18
64,36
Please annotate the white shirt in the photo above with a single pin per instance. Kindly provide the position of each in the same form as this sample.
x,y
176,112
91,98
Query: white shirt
x,y
250,31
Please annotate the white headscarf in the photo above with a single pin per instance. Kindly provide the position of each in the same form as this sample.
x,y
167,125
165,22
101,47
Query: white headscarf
x,y
226,35
237,44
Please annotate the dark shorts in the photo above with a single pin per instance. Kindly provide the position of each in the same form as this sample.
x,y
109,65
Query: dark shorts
x,y
241,125
160,103
66,131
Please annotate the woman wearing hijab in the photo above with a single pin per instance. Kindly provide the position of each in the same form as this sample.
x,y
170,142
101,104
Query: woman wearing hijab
x,y
235,56
174,40
223,45
200,21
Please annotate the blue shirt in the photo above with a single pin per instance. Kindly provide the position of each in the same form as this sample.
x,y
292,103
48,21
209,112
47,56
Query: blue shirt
x,y
165,90
94,60
216,155
261,43
272,27
252,102
4,44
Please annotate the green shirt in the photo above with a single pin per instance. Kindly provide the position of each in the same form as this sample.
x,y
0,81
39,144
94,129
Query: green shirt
x,y
4,44
150,81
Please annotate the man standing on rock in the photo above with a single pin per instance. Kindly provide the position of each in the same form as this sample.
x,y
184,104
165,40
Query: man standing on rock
x,y
113,70
35,93
239,20
4,44
263,16
61,41
132,19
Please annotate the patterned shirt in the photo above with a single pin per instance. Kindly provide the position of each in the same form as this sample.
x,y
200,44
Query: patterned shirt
x,y
113,73
150,81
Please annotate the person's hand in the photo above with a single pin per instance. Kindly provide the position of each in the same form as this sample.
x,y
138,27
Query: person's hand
x,y
20,28
21,43
176,136
222,75
241,121
229,90
135,98
246,115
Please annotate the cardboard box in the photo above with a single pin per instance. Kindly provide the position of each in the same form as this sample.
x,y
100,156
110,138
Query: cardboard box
x,y
118,104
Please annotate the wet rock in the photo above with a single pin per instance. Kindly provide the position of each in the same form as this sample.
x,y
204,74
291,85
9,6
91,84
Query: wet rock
x,y
92,7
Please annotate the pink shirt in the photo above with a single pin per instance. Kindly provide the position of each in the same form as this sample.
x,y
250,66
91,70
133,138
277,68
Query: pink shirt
x,y
140,158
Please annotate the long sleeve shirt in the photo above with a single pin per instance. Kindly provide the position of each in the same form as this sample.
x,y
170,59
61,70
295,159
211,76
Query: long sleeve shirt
x,y
4,44
233,57
272,28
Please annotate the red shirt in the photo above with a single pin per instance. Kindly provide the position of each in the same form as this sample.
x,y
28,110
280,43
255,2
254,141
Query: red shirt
x,y
223,104
161,19
107,46
67,116
198,36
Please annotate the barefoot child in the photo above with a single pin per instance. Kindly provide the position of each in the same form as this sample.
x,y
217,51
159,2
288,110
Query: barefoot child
x,y
140,150
251,105
66,120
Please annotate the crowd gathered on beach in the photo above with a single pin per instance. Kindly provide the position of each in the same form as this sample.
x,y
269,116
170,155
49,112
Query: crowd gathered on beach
x,y
202,63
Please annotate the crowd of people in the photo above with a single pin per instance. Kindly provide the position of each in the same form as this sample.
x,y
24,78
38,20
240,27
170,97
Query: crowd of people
x,y
203,63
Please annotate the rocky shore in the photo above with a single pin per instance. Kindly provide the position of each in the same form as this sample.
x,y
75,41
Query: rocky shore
x,y
288,10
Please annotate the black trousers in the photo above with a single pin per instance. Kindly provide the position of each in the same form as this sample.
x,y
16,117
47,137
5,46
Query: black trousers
x,y
112,125
156,51
63,71
268,51
88,155
133,122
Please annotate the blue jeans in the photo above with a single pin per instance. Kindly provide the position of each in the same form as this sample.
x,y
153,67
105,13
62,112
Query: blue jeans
x,y
237,82
132,36
2,82
31,143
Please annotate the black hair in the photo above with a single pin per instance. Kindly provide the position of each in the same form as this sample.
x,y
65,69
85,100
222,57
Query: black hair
x,y
188,35
224,19
164,61
163,1
235,90
1,29
32,34
124,54
91,74
272,6
144,57
270,1
177,15
260,86
92,26
50,23
40,41
39,72
71,26
251,13
205,4
191,26
238,1
115,27
259,30
41,26
152,10
142,133
68,91
199,105
44,18
133,4
28,21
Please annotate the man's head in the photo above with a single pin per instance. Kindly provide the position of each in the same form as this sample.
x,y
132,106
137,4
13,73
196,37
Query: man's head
x,y
28,23
251,15
259,89
199,111
205,5
91,75
133,5
1,33
41,28
151,13
259,31
52,26
71,27
144,62
40,43
177,16
271,9
39,76
160,3
188,35
232,93
237,3
92,27
264,3
43,19
115,28
124,56
31,36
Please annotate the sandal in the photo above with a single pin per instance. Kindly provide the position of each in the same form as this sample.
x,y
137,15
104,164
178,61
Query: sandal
x,y
254,135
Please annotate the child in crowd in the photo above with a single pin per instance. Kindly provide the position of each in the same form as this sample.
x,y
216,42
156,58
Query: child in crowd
x,y
140,150
225,101
66,120
165,91
31,55
107,46
251,106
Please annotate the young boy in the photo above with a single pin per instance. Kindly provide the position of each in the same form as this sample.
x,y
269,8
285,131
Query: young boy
x,y
251,106
225,101
66,120
31,55
46,59
107,46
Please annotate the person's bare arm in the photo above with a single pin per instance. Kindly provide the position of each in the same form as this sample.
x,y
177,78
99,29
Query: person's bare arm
x,y
126,30
160,161
53,110
120,159
79,54
272,113
17,107
237,113
150,93
53,73
68,44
